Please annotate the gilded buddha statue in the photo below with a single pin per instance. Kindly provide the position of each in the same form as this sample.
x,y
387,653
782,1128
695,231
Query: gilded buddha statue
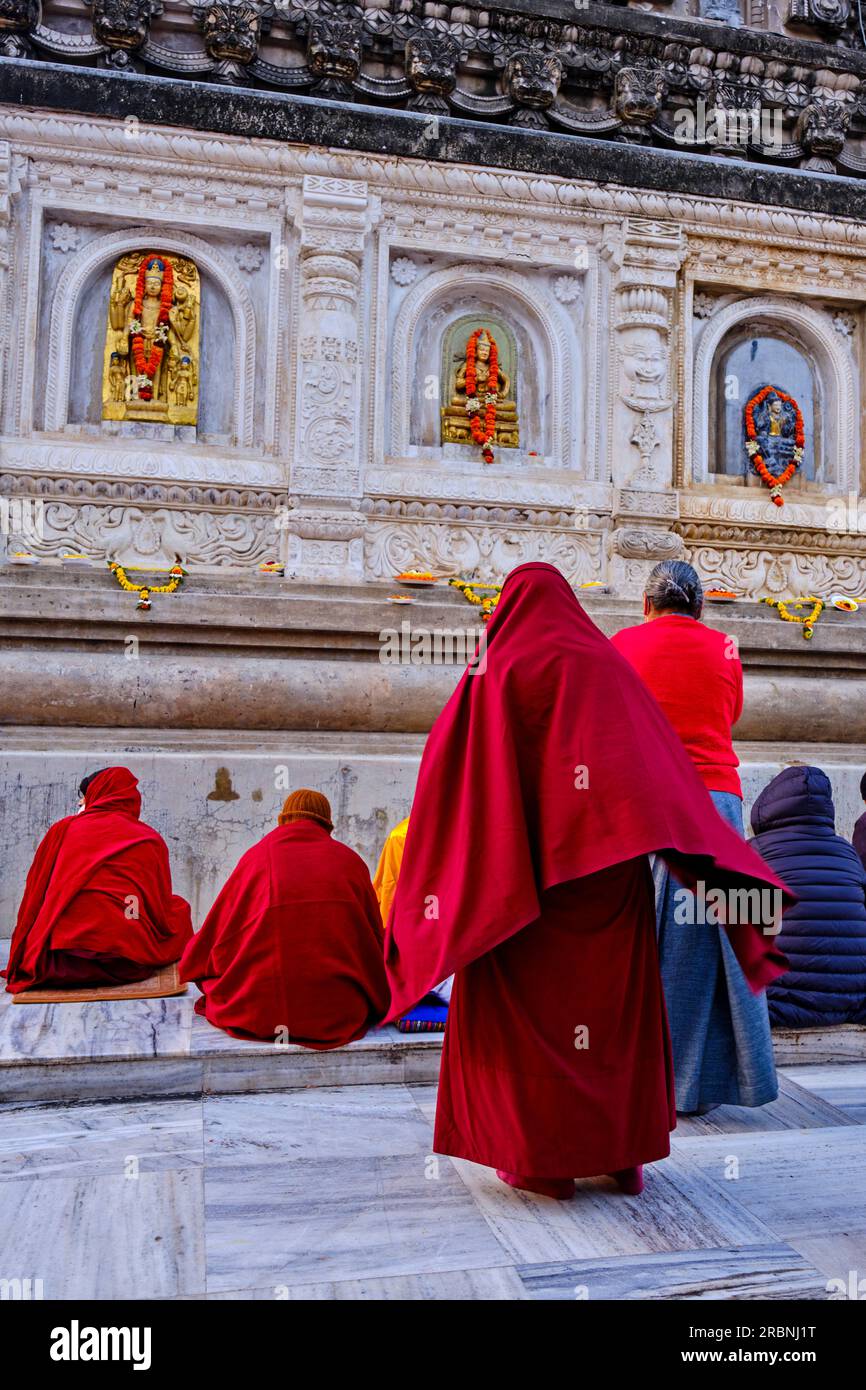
x,y
151,359
465,420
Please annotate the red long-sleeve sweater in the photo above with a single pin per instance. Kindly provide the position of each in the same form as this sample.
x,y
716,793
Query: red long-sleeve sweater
x,y
695,674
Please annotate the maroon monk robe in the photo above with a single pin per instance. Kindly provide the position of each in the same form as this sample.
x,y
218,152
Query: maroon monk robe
x,y
548,778
98,906
294,943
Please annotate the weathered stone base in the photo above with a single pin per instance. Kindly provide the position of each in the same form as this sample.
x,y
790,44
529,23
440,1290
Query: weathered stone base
x,y
212,794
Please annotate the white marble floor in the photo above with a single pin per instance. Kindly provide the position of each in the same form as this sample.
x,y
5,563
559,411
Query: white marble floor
x,y
333,1193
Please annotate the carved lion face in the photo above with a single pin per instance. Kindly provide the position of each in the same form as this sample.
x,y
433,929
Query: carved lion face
x,y
532,78
334,49
431,63
231,32
121,23
823,127
639,92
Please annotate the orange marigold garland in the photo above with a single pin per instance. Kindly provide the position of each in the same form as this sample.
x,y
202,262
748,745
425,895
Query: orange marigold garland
x,y
482,433
775,482
807,620
177,574
147,365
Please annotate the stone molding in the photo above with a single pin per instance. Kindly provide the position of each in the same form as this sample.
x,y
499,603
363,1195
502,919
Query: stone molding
x,y
607,72
97,458
69,138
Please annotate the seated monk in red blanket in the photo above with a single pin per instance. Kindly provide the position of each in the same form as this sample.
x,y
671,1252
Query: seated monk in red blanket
x,y
292,949
98,907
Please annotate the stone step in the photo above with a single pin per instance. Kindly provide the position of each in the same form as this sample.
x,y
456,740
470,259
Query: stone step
x,y
135,1050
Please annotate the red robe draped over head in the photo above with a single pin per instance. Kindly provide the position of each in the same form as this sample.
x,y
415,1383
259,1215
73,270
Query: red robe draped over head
x,y
546,781
294,943
98,906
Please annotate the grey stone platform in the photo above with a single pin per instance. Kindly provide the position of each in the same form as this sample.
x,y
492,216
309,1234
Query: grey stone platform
x,y
143,1049
160,1048
149,1048
134,1049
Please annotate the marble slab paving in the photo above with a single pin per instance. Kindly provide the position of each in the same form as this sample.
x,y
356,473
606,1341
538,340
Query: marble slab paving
x,y
309,1222
800,1182
842,1087
798,1107
350,1122
91,1140
838,1255
341,1185
105,1237
680,1209
456,1286
735,1272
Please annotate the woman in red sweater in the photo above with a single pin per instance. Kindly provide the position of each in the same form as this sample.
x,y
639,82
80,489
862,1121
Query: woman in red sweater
x,y
720,1031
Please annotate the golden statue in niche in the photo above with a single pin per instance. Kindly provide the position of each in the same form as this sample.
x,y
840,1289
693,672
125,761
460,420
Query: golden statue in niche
x,y
481,408
151,362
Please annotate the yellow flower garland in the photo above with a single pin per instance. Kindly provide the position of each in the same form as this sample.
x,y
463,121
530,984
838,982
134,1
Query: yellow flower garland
x,y
808,620
144,591
468,591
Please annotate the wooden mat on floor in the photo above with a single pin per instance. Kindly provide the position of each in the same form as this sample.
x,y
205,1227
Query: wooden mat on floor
x,y
158,986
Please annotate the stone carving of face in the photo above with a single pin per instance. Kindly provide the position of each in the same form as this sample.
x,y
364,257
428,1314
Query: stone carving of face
x,y
153,283
776,408
482,349
532,78
231,32
643,357
639,92
334,49
431,63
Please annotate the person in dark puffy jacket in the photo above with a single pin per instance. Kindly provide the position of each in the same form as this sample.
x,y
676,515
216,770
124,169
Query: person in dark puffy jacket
x,y
858,839
824,933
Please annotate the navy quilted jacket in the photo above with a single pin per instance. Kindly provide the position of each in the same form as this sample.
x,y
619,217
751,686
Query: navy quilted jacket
x,y
824,934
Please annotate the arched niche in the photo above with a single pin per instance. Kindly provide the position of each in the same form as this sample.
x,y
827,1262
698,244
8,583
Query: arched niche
x,y
540,337
73,394
768,341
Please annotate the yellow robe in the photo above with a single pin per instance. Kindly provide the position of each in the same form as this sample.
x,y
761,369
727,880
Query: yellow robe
x,y
388,870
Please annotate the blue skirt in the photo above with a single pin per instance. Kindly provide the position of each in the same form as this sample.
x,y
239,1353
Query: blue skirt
x,y
720,1030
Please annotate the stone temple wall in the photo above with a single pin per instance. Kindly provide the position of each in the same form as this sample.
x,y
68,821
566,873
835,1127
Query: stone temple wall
x,y
209,823
227,695
329,281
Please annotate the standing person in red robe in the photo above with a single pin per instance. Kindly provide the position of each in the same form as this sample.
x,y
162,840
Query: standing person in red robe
x,y
547,780
292,948
98,907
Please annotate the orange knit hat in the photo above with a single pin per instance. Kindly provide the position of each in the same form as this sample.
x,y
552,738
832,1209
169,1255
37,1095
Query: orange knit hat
x,y
306,805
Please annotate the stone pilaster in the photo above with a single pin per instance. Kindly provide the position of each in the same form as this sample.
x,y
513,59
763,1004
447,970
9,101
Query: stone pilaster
x,y
645,258
6,182
324,527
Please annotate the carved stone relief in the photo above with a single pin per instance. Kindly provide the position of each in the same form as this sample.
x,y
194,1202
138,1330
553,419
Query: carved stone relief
x,y
357,511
